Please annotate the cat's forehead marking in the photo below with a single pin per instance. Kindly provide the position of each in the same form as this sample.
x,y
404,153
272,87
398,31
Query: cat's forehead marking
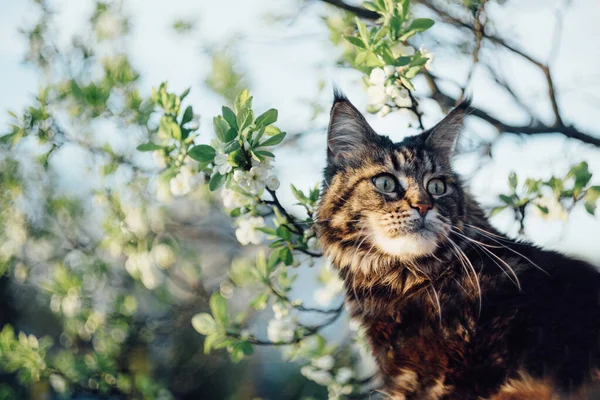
x,y
409,160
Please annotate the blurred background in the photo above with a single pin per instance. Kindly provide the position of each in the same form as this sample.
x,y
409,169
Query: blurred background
x,y
104,262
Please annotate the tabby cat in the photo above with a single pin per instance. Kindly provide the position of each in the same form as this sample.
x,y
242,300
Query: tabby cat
x,y
452,308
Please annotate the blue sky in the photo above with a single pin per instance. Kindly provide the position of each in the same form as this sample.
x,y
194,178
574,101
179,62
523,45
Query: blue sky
x,y
284,63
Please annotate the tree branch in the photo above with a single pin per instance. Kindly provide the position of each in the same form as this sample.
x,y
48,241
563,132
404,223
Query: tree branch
x,y
359,11
538,128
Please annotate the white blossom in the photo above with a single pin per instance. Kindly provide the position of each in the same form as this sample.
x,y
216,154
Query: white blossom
x,y
108,26
159,158
164,255
272,182
332,288
392,91
324,362
256,179
58,383
556,211
281,330
232,199
385,110
71,304
239,176
222,163
321,377
247,233
343,375
377,77
428,54
180,185
400,49
402,101
377,95
389,70
135,220
313,243
281,310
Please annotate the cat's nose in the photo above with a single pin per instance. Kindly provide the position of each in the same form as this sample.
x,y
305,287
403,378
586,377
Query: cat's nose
x,y
422,208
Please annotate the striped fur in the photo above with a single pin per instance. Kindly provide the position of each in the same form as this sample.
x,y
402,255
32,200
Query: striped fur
x,y
453,309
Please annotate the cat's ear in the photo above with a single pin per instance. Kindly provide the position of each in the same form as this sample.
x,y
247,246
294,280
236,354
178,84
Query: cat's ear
x,y
443,136
349,132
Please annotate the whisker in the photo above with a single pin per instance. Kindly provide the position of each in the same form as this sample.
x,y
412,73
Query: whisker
x,y
465,258
486,233
489,252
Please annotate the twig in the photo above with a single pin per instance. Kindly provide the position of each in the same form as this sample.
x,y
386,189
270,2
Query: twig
x,y
359,11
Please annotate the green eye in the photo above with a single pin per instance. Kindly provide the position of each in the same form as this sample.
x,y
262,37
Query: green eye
x,y
436,187
385,183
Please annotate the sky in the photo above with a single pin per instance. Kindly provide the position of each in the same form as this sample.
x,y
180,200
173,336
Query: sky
x,y
285,61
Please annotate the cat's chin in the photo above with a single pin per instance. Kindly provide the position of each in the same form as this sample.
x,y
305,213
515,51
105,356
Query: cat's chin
x,y
409,246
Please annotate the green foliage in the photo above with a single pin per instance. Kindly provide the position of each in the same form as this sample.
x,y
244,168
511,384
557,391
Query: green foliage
x,y
377,45
139,265
24,354
553,198
225,77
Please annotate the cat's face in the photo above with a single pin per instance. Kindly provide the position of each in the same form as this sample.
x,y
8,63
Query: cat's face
x,y
384,199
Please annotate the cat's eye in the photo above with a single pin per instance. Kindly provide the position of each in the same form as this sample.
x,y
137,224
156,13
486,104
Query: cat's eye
x,y
385,183
436,187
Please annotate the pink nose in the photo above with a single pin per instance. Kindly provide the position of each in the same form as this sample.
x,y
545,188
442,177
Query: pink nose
x,y
422,208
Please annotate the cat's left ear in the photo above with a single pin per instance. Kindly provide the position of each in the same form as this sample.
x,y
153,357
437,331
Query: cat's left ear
x,y
349,133
443,136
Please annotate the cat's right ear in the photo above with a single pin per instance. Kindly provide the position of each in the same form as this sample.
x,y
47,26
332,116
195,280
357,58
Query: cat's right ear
x,y
349,132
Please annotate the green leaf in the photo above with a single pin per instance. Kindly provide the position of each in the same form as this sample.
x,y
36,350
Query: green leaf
x,y
496,210
513,181
371,60
506,199
216,181
264,153
299,195
240,350
204,323
243,101
273,140
218,307
274,259
284,233
209,342
286,256
229,116
230,135
356,41
260,301
411,72
362,31
591,198
402,61
582,176
188,115
261,265
421,24
543,209
202,153
221,127
407,83
184,94
271,130
148,147
231,146
244,118
267,118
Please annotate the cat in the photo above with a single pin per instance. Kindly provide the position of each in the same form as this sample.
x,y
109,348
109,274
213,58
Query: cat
x,y
452,308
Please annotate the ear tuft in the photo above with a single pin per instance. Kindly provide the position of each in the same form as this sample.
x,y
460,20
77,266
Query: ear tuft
x,y
443,136
338,95
349,132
